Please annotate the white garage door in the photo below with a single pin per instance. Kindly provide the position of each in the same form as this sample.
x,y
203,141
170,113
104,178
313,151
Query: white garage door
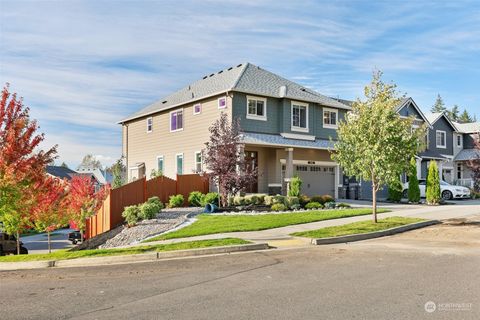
x,y
317,180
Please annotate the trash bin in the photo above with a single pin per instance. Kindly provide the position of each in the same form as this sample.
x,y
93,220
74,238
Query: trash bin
x,y
210,208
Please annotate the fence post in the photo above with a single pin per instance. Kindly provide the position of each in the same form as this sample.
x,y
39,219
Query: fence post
x,y
176,185
144,189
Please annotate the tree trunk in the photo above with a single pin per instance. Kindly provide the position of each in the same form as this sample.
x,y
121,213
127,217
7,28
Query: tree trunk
x,y
374,202
48,240
81,235
18,242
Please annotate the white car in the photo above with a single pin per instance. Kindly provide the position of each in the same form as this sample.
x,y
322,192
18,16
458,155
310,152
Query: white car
x,y
447,190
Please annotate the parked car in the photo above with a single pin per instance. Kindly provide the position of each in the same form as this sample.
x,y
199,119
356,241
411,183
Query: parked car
x,y
8,245
447,191
75,237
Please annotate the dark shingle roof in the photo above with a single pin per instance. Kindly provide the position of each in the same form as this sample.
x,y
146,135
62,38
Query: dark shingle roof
x,y
246,78
60,172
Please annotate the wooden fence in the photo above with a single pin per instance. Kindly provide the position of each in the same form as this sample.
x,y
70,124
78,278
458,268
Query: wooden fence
x,y
109,215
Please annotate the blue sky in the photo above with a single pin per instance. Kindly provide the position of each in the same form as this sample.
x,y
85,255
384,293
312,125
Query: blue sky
x,y
83,65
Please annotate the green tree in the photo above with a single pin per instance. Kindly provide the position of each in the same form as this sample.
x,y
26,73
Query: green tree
x,y
395,189
90,162
454,113
465,117
374,143
433,184
439,105
413,188
119,171
295,187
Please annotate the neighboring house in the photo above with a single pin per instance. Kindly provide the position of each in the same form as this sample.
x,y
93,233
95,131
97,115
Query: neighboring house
x,y
60,172
463,149
97,175
287,129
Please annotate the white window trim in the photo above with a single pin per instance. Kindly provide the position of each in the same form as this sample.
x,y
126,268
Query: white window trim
x,y
163,159
330,126
436,140
176,163
292,127
218,103
254,116
195,160
197,104
461,140
170,120
151,129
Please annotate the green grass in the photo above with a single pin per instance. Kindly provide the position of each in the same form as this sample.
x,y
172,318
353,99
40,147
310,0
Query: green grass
x,y
210,224
357,228
64,254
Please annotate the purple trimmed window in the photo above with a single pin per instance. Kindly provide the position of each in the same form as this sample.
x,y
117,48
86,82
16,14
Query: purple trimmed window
x,y
176,120
197,108
222,103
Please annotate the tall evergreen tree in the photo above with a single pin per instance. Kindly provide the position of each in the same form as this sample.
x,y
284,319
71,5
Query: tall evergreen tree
x,y
413,188
454,113
465,117
433,184
439,105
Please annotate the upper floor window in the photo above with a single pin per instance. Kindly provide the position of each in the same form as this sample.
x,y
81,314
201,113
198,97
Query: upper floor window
x,y
176,120
330,118
198,161
222,103
149,124
459,141
299,116
256,108
441,137
197,109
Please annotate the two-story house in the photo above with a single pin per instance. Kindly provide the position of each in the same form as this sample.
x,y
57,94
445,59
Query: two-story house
x,y
464,151
287,129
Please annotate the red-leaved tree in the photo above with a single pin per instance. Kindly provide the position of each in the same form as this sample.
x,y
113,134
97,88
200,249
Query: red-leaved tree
x,y
22,164
474,165
50,211
225,160
83,201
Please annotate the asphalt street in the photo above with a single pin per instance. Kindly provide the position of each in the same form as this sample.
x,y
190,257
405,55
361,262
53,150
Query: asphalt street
x,y
396,277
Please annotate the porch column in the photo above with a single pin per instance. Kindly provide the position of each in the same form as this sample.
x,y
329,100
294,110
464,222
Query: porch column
x,y
337,180
419,168
288,169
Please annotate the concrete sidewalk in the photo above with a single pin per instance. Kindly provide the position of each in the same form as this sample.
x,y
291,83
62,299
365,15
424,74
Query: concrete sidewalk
x,y
281,236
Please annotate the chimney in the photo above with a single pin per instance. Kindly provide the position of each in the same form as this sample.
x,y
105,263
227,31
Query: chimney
x,y
282,91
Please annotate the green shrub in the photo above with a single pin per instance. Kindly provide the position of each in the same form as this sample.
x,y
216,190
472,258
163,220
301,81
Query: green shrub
x,y
433,184
327,198
247,200
278,207
195,199
131,215
292,201
318,199
261,199
149,210
303,199
239,201
156,200
268,200
330,205
252,199
295,187
395,190
413,188
313,205
280,199
176,201
343,205
211,197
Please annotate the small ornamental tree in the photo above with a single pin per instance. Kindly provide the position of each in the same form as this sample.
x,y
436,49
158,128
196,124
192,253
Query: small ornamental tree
x,y
433,184
413,187
474,165
50,211
224,159
295,187
374,143
119,172
83,201
22,164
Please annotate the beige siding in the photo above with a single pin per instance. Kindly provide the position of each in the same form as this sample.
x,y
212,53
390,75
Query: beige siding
x,y
146,147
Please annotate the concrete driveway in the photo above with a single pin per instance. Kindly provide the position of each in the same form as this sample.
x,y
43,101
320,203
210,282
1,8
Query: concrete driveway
x,y
38,243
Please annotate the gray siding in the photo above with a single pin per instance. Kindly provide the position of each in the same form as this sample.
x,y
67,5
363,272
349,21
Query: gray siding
x,y
469,141
409,110
442,125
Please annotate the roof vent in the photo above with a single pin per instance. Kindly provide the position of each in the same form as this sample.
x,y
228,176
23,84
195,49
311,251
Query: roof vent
x,y
220,71
165,101
205,77
212,74
282,92
193,95
303,89
189,88
230,68
239,65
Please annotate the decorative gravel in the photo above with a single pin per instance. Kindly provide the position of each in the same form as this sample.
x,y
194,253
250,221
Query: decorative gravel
x,y
255,213
166,220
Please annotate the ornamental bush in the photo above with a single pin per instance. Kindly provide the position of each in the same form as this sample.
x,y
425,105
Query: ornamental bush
x,y
343,205
211,197
280,199
330,205
413,188
293,201
239,201
278,207
131,215
176,201
268,200
303,199
395,191
295,187
327,198
195,199
433,184
318,199
149,210
314,205
156,200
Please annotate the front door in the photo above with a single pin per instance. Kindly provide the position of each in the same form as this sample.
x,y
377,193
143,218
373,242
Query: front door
x,y
251,162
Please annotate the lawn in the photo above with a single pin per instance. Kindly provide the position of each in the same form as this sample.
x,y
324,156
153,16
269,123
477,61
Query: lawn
x,y
210,224
64,254
357,228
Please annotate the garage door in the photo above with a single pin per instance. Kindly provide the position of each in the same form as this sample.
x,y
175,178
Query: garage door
x,y
317,180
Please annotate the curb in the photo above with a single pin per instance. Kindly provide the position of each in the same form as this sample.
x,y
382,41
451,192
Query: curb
x,y
144,257
376,234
